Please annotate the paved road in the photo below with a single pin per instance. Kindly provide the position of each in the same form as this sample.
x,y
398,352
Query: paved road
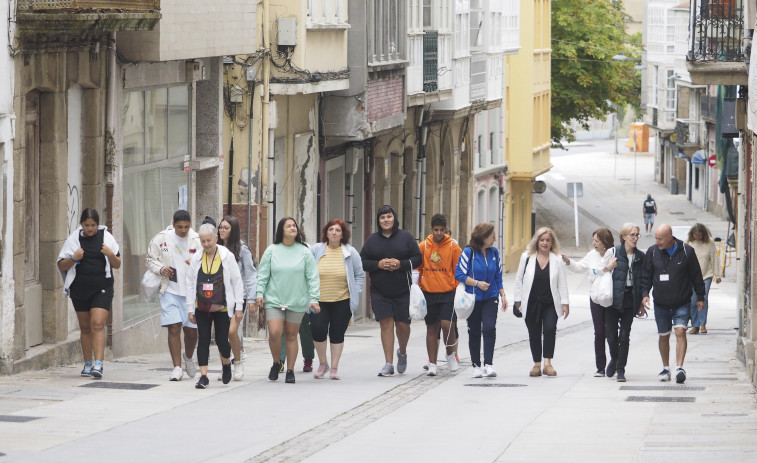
x,y
54,416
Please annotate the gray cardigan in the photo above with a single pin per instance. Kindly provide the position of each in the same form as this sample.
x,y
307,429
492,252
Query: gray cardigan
x,y
353,267
249,273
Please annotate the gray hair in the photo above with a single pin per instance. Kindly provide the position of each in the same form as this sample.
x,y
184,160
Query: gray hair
x,y
208,228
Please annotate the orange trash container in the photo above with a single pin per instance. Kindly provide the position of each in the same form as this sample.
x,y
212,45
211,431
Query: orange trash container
x,y
638,137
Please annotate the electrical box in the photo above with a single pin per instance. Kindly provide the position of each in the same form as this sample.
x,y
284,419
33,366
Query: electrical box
x,y
251,73
287,32
236,94
194,71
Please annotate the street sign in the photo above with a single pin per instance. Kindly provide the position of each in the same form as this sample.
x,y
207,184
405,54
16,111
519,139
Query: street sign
x,y
711,161
579,188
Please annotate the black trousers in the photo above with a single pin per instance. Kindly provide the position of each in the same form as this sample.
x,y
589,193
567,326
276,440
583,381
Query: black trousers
x,y
205,321
618,329
541,318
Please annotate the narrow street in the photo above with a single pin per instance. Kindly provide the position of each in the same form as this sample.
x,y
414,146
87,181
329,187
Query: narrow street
x,y
413,417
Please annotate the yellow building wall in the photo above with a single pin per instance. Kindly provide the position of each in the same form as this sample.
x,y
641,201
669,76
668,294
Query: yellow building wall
x,y
528,107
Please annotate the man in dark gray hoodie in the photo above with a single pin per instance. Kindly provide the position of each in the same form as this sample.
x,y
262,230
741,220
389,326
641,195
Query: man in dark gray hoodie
x,y
389,255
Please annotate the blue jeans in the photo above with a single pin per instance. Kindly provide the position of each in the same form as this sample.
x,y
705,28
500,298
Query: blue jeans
x,y
667,319
700,318
484,315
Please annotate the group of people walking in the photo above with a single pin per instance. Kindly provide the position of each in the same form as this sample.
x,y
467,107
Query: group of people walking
x,y
208,280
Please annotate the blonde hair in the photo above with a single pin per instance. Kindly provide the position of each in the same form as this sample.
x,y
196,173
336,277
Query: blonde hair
x,y
626,230
532,246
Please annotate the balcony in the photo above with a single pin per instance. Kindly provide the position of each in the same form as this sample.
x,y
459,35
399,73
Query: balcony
x,y
46,23
689,135
716,55
430,61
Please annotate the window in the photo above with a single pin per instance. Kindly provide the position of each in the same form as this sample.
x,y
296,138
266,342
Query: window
x,y
491,148
481,206
427,14
653,87
696,178
156,135
670,92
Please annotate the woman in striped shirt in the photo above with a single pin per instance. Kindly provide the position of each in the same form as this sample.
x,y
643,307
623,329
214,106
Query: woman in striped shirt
x,y
341,271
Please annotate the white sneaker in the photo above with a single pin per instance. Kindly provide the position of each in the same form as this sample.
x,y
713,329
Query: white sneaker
x,y
489,371
189,365
176,374
238,370
431,369
476,372
425,365
243,355
452,363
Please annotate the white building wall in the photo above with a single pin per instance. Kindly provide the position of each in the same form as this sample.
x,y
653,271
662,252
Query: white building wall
x,y
7,134
194,29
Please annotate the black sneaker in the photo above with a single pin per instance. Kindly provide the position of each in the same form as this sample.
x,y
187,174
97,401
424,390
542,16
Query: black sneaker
x,y
202,383
611,368
226,373
290,377
97,371
680,375
621,376
273,375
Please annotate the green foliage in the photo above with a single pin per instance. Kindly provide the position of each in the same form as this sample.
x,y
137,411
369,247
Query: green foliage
x,y
586,82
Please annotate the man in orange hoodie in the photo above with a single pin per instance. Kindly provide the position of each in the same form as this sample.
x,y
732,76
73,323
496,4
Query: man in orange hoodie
x,y
437,280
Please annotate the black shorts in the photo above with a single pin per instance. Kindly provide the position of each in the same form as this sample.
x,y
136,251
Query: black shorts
x,y
440,307
397,307
102,299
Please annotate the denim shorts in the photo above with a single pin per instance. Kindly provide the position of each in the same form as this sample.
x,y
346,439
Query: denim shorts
x,y
671,318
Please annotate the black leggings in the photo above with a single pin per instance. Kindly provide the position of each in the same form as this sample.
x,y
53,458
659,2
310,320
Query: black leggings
x,y
333,319
541,318
204,321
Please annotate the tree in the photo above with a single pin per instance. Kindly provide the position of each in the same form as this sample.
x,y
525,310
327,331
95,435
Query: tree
x,y
586,81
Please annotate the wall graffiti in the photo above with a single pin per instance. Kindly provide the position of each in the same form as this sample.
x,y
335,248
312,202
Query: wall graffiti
x,y
74,207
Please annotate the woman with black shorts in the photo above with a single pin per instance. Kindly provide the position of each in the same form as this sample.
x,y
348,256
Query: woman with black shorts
x,y
86,262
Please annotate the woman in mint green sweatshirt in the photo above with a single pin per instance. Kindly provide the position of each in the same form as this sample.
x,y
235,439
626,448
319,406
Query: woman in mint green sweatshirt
x,y
288,285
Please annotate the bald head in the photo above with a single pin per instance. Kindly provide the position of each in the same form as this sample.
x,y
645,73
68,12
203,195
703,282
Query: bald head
x,y
663,237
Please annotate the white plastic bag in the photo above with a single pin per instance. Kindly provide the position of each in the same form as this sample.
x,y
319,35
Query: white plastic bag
x,y
150,284
418,309
463,302
601,290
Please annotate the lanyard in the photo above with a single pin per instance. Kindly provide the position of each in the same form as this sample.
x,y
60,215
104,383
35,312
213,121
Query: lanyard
x,y
210,264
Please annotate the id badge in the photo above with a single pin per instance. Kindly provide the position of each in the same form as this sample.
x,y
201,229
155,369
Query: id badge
x,y
207,286
664,277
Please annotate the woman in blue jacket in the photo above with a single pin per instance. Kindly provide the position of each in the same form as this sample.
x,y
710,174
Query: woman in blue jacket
x,y
480,270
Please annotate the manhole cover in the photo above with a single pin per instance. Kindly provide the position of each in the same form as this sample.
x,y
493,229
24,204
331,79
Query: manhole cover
x,y
17,418
107,385
661,388
637,398
494,385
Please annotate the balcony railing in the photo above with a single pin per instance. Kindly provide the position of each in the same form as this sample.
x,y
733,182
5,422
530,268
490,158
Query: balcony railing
x,y
689,133
59,5
717,30
430,61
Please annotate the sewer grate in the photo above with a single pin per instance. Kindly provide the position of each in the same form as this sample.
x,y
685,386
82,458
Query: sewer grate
x,y
641,398
17,418
661,388
108,385
494,385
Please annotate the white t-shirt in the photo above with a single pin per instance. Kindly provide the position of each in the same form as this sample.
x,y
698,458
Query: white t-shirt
x,y
179,255
629,275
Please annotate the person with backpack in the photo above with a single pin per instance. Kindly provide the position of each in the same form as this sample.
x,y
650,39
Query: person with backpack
x,y
650,211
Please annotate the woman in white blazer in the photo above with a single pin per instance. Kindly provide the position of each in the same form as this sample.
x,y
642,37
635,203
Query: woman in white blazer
x,y
214,292
542,288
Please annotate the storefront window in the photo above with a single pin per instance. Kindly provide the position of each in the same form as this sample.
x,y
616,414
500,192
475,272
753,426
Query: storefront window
x,y
154,182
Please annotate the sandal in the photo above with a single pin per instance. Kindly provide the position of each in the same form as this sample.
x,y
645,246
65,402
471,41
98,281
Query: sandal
x,y
334,374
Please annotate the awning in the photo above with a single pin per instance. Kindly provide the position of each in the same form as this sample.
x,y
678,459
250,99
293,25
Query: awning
x,y
698,158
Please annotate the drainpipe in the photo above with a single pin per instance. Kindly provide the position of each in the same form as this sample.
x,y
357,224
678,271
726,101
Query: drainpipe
x,y
110,134
249,165
266,145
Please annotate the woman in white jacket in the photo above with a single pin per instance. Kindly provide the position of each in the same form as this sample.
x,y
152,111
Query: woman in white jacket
x,y
597,262
214,293
541,287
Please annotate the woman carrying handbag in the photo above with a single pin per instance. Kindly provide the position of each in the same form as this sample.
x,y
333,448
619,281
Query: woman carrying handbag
x,y
599,263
